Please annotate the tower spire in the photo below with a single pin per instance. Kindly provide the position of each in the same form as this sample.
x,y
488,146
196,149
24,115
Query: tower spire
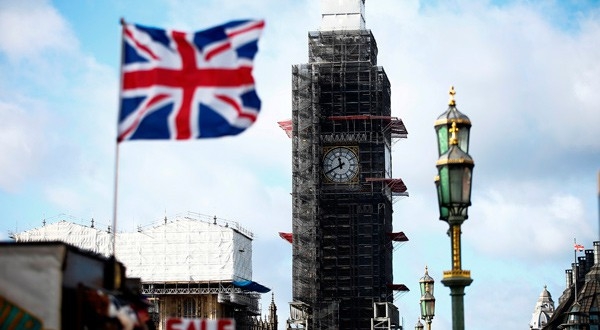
x,y
273,312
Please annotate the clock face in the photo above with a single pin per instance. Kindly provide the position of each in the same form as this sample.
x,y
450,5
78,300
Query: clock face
x,y
340,164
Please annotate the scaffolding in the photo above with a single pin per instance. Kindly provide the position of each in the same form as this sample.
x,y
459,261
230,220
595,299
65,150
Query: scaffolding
x,y
342,233
194,266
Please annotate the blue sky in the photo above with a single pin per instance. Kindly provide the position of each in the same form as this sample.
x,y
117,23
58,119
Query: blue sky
x,y
527,73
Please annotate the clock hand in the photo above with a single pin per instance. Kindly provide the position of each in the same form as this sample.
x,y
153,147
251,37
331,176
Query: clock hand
x,y
335,168
331,170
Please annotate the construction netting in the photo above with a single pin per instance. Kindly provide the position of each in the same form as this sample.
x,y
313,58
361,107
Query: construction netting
x,y
83,237
183,250
186,250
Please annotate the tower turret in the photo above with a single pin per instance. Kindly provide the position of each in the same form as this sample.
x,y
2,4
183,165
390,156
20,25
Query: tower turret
x,y
543,311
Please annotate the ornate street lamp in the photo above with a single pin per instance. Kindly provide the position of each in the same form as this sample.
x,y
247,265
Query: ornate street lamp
x,y
443,126
453,186
419,325
455,168
427,308
445,121
427,302
426,283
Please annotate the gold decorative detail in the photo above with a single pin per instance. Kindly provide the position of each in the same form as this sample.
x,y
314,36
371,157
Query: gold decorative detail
x,y
447,161
456,264
445,121
453,130
452,102
457,273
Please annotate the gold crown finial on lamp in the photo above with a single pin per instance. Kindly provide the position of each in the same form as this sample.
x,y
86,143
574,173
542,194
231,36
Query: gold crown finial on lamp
x,y
452,102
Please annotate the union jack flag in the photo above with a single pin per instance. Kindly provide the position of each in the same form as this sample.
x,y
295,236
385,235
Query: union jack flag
x,y
578,247
178,85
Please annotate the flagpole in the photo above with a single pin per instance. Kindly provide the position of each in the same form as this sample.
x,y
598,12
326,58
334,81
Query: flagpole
x,y
115,199
576,275
116,178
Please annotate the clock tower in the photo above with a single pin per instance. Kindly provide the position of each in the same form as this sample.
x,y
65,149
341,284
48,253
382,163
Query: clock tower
x,y
343,189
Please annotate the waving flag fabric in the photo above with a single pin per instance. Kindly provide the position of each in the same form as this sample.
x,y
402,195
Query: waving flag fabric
x,y
578,247
178,85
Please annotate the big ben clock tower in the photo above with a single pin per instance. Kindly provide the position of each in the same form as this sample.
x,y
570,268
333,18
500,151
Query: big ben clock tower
x,y
343,189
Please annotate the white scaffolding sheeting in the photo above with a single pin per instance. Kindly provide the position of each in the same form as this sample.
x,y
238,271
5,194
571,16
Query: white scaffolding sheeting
x,y
87,238
186,250
183,250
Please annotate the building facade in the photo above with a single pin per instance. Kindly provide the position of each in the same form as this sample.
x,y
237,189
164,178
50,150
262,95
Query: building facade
x,y
343,189
192,266
579,305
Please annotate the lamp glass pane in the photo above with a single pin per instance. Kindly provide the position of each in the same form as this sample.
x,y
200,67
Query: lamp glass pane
x,y
463,138
444,185
442,139
443,210
456,184
444,213
429,288
466,186
430,306
423,309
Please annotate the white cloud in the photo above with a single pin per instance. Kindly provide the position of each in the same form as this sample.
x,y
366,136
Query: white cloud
x,y
20,142
29,27
541,220
58,109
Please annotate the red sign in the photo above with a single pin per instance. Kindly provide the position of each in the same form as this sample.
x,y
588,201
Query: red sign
x,y
179,323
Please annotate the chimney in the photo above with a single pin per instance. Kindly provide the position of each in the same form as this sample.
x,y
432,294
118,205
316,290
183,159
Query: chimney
x,y
569,277
589,259
581,268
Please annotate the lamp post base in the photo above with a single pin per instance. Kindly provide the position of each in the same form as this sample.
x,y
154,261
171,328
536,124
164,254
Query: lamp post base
x,y
457,280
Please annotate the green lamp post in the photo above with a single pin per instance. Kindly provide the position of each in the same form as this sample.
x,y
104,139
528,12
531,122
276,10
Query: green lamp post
x,y
453,185
427,302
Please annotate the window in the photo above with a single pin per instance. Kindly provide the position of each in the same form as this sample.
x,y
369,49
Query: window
x,y
189,307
